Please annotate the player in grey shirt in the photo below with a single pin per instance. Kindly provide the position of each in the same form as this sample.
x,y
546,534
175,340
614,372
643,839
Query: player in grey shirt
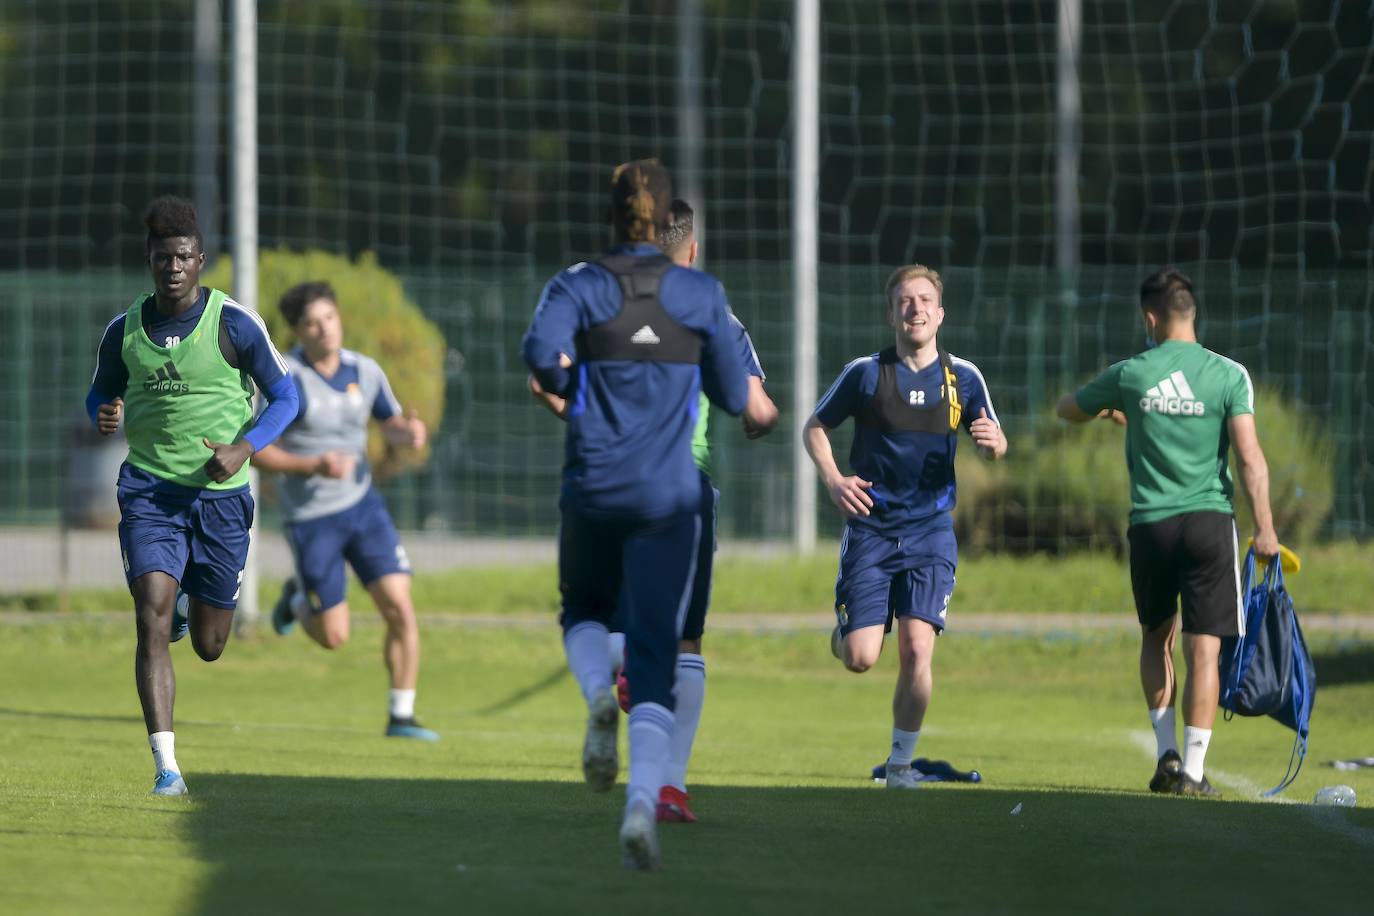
x,y
332,512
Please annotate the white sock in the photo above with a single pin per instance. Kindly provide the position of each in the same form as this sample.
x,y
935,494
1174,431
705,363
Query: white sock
x,y
651,735
1166,731
402,704
690,691
586,645
617,644
164,751
903,746
1195,741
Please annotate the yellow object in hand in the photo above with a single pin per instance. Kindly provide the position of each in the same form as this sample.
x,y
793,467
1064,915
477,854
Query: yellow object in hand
x,y
1289,561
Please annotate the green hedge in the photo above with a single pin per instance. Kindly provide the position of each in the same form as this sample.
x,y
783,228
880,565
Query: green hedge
x,y
378,320
1064,487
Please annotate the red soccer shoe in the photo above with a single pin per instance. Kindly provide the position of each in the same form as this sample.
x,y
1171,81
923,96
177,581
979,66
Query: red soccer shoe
x,y
673,807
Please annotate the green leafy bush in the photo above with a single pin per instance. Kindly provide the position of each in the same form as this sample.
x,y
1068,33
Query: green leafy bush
x,y
378,320
1064,487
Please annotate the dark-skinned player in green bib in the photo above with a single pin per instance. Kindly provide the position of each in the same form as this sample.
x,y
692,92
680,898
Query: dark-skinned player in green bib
x,y
179,368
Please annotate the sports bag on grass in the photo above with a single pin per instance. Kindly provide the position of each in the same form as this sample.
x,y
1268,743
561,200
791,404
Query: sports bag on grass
x,y
1268,671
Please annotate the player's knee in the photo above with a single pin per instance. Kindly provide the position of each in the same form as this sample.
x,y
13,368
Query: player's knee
x,y
859,660
334,639
208,647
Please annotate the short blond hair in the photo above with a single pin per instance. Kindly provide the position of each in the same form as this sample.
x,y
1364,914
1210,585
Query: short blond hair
x,y
914,272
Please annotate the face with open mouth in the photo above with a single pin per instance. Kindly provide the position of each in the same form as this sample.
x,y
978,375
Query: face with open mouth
x,y
175,263
915,312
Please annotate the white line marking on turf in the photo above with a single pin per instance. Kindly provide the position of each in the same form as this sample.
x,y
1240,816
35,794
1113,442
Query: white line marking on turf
x,y
1328,818
1145,740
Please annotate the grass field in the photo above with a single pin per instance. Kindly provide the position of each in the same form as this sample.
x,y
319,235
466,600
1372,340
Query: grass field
x,y
1337,578
298,804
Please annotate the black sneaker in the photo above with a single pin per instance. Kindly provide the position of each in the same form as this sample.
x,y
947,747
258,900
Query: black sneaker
x,y
1200,788
1167,773
283,621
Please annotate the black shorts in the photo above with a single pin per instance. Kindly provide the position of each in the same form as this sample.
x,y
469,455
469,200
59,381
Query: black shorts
x,y
1194,555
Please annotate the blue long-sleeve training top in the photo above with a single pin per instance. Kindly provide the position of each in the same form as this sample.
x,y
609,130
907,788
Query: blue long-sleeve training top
x,y
628,448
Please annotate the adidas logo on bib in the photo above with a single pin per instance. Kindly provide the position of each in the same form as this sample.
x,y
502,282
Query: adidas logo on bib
x,y
644,335
1173,396
166,381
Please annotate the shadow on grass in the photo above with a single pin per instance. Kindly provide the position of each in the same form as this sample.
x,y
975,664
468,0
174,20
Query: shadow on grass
x,y
329,845
1344,664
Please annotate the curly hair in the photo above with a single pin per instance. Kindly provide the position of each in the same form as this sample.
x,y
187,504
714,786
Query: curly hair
x,y
294,300
169,217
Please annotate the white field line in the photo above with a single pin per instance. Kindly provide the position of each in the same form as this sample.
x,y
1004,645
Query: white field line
x,y
1328,818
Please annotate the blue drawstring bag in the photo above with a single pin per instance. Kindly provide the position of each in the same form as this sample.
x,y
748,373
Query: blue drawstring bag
x,y
1267,671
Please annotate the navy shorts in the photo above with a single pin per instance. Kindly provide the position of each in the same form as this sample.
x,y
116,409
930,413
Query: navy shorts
x,y
694,625
640,570
363,534
203,543
883,577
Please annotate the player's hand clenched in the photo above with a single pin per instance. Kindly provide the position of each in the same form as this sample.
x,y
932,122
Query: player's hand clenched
x,y
850,495
337,465
109,415
227,459
987,435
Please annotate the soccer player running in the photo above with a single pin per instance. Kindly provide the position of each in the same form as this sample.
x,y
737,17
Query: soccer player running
x,y
178,368
1184,408
898,555
647,337
679,243
331,510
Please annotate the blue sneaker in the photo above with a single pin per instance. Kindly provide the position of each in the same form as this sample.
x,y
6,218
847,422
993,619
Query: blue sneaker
x,y
283,621
409,728
168,783
181,620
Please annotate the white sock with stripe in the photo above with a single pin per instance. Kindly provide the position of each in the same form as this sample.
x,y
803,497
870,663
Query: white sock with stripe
x,y
1195,741
690,691
903,746
587,648
651,735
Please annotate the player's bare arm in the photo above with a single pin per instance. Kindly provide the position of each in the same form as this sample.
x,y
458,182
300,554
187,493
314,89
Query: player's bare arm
x,y
1068,409
1254,475
760,413
226,459
335,464
849,494
406,431
988,436
109,415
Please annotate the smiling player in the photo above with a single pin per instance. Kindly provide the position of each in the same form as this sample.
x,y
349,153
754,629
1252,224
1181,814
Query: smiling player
x,y
898,554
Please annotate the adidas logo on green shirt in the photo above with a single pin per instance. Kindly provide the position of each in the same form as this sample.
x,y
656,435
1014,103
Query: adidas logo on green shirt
x,y
166,381
1173,396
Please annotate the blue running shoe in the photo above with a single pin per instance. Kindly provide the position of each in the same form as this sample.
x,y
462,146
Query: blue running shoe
x,y
409,728
924,769
283,621
168,783
181,620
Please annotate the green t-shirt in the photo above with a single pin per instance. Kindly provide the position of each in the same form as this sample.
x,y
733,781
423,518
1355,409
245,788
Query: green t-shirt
x,y
1177,399
701,442
179,395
